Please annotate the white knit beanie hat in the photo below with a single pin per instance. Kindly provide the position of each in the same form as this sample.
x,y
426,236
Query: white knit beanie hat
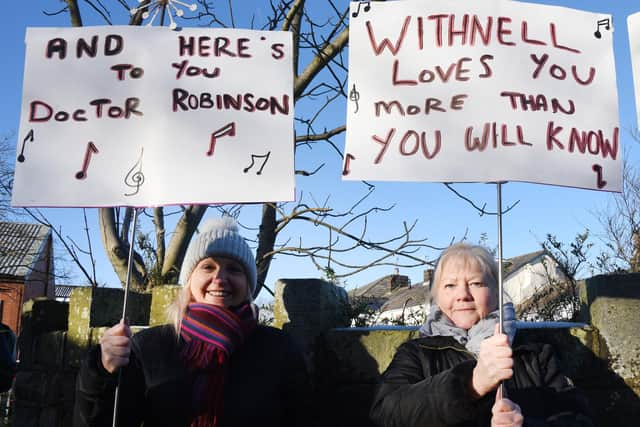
x,y
219,237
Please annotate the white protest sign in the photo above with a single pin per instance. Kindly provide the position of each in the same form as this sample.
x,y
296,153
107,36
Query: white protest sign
x,y
146,116
633,23
482,91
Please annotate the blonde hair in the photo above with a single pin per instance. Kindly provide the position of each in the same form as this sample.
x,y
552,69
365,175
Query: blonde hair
x,y
177,309
467,252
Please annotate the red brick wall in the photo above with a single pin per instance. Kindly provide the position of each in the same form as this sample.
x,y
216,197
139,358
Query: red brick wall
x,y
11,295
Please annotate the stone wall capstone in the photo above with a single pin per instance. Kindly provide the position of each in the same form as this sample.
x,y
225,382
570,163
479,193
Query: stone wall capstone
x,y
97,307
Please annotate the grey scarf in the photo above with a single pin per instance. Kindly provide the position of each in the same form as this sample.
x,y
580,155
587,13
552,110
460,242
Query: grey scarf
x,y
438,324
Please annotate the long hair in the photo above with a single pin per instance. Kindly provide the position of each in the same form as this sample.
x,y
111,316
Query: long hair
x,y
177,309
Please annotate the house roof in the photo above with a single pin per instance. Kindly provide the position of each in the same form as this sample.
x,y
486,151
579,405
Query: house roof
x,y
379,288
415,295
20,246
64,291
511,265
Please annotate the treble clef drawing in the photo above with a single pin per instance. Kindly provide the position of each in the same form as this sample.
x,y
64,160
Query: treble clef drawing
x,y
135,177
354,96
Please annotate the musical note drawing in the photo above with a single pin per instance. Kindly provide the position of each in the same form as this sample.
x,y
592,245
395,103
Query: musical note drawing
x,y
601,183
354,96
602,23
366,8
227,130
253,161
29,137
347,163
91,148
135,178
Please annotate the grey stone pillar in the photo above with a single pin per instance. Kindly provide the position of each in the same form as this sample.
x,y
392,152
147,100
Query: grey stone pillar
x,y
611,304
305,308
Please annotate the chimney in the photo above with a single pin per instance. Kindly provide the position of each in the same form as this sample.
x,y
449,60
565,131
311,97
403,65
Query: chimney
x,y
398,281
428,274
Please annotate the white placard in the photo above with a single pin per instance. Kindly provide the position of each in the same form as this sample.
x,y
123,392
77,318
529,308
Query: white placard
x,y
482,91
633,23
146,116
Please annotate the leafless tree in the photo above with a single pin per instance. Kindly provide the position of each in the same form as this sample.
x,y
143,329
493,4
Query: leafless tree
x,y
320,34
557,297
621,224
6,174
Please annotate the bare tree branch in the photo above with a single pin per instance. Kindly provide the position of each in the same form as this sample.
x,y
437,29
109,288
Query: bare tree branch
x,y
481,210
158,222
74,13
100,10
330,50
37,215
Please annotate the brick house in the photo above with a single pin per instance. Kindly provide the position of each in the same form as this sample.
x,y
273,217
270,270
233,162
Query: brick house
x,y
26,268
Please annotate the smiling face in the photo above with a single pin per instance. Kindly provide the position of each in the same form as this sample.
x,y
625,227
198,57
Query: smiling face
x,y
219,281
465,293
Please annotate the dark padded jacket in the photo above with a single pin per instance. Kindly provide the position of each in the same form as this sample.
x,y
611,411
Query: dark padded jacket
x,y
428,384
267,384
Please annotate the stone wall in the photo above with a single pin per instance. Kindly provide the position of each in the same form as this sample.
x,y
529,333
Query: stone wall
x,y
602,358
55,335
611,304
348,364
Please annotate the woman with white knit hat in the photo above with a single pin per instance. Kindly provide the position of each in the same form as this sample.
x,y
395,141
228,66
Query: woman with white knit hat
x,y
212,366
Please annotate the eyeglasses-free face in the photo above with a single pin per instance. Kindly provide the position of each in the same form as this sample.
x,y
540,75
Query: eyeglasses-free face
x,y
219,281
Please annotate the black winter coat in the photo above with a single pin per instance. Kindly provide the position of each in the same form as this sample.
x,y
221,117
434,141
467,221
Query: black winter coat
x,y
267,384
428,384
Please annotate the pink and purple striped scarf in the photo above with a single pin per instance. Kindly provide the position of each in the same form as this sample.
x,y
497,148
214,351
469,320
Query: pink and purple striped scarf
x,y
211,334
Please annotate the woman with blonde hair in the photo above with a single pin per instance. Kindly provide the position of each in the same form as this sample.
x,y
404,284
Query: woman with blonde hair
x,y
213,365
450,374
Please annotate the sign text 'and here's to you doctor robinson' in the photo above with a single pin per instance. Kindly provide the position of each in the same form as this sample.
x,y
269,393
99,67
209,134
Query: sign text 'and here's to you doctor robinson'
x,y
481,92
146,116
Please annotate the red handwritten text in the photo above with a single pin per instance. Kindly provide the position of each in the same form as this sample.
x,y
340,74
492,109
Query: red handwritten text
x,y
537,102
409,144
205,46
184,101
430,104
491,138
593,141
458,70
40,111
559,73
447,32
